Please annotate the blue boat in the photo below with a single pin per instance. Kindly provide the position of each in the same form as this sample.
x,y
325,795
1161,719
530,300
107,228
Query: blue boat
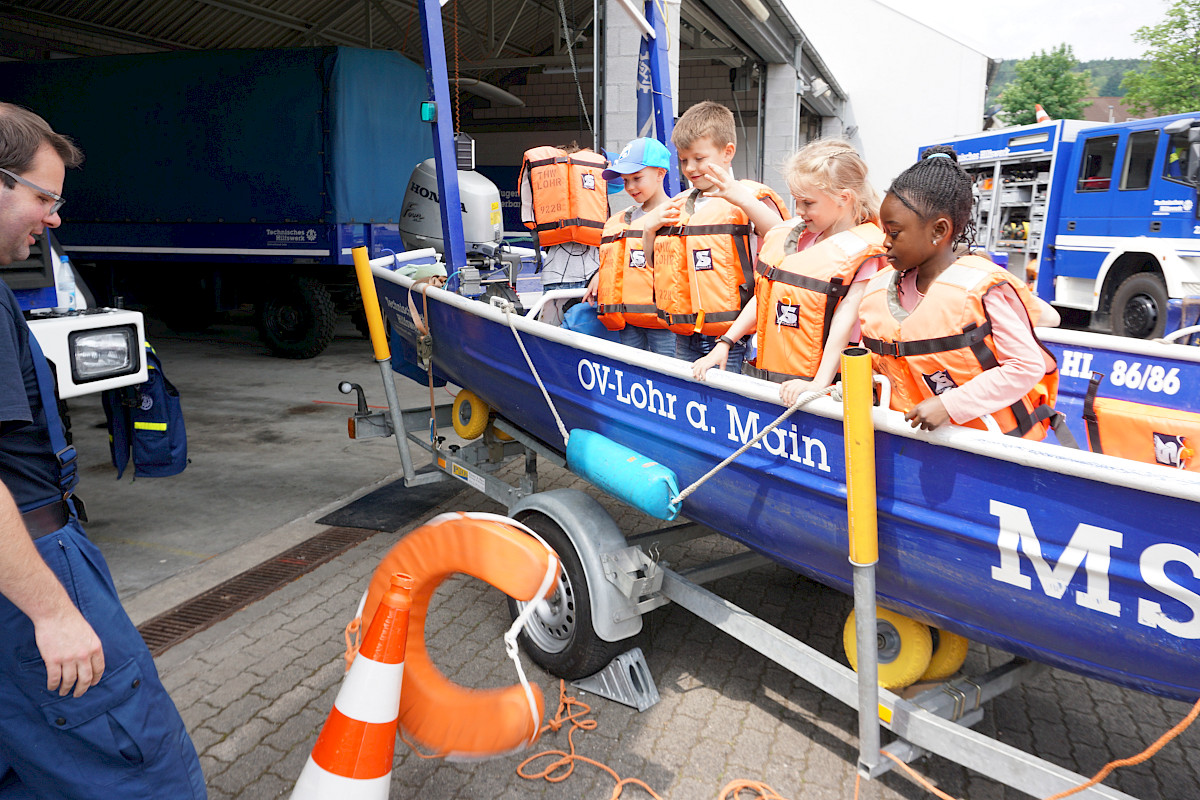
x,y
1083,561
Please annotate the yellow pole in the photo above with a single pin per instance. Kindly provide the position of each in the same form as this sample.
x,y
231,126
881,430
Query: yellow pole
x,y
366,286
860,455
859,430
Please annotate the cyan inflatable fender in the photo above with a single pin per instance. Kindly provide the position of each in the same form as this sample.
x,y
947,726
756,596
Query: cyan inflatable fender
x,y
625,474
593,532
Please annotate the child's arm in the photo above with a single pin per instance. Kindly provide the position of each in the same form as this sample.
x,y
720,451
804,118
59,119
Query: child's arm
x,y
839,335
1048,316
746,322
1022,365
663,216
763,215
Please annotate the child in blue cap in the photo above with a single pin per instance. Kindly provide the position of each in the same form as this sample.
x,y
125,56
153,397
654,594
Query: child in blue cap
x,y
623,287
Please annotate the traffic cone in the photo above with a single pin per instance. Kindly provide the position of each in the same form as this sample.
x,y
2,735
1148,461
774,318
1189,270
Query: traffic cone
x,y
1040,112
352,759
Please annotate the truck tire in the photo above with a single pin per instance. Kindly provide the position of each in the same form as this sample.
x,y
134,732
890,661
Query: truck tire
x,y
296,319
1139,307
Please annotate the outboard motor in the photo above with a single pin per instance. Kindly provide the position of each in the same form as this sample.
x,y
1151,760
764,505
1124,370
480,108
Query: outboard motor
x,y
483,228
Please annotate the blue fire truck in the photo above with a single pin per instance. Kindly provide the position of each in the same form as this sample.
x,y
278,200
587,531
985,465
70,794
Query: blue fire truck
x,y
1102,219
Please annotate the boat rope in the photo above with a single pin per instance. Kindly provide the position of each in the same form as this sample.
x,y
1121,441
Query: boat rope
x,y
508,312
801,401
562,11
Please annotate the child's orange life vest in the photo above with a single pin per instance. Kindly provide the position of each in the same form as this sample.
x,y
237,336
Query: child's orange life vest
x,y
947,340
798,292
703,267
1141,432
569,195
625,288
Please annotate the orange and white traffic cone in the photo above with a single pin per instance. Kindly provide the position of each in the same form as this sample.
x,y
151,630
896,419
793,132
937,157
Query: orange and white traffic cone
x,y
1040,112
352,759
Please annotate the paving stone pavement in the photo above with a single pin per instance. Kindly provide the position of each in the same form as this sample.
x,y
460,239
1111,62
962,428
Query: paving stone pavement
x,y
256,688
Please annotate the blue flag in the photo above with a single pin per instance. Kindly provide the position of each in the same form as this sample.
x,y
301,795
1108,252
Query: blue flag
x,y
645,100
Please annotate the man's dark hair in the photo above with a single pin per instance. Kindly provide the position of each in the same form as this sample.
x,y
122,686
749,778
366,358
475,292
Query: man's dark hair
x,y
936,186
22,133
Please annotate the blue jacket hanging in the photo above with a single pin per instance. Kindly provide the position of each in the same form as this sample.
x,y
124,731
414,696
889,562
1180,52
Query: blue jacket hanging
x,y
147,421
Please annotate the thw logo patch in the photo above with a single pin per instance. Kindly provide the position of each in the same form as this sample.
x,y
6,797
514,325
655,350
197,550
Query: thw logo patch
x,y
637,259
589,181
939,382
1169,449
702,259
787,315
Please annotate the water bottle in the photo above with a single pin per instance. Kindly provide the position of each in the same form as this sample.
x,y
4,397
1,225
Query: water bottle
x,y
66,283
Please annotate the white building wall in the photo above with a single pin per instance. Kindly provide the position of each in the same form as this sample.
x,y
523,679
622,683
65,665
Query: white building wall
x,y
907,83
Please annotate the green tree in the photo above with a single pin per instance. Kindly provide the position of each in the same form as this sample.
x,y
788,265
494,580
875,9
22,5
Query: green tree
x,y
1046,78
1169,81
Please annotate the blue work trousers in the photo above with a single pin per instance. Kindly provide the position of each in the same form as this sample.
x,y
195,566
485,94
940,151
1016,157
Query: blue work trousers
x,y
124,737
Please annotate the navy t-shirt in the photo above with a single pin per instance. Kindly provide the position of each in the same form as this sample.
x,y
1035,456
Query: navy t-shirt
x,y
27,463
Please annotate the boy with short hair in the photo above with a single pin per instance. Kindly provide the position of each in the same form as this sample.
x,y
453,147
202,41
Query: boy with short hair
x,y
623,287
702,243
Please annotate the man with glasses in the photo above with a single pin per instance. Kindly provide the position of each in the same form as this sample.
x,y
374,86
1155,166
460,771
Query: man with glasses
x,y
82,711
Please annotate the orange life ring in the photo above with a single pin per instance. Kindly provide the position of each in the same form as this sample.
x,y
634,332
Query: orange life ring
x,y
440,715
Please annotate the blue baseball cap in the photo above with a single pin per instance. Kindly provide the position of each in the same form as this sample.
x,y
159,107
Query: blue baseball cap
x,y
638,154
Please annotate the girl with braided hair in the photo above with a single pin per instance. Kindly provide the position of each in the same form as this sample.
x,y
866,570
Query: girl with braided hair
x,y
953,332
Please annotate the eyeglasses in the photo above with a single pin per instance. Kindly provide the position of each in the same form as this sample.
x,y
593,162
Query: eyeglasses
x,y
57,199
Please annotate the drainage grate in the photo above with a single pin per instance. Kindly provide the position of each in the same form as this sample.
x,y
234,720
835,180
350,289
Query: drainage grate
x,y
205,610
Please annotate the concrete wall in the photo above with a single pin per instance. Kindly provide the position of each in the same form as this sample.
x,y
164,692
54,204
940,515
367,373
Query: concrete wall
x,y
907,83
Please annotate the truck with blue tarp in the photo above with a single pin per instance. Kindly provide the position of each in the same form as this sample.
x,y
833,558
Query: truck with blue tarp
x,y
1102,219
219,179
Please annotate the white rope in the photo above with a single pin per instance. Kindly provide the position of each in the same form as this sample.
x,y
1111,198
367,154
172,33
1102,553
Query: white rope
x,y
801,401
508,313
510,637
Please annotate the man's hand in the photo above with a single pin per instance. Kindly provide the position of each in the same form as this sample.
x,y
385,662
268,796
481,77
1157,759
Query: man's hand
x,y
71,650
928,414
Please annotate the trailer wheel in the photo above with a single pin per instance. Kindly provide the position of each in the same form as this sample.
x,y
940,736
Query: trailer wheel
x,y
297,318
1139,307
949,653
559,637
905,647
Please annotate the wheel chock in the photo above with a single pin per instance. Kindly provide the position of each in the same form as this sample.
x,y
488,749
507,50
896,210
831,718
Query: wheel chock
x,y
626,679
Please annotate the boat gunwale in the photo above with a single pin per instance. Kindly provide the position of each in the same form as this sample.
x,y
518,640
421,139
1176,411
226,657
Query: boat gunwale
x,y
1083,464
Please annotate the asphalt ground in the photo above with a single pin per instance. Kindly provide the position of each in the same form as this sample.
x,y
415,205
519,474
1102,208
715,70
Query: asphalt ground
x,y
270,456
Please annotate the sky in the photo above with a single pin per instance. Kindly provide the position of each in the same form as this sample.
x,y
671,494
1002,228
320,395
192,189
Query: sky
x,y
1017,29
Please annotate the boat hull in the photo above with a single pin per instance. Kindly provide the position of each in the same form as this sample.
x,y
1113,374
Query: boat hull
x,y
1081,561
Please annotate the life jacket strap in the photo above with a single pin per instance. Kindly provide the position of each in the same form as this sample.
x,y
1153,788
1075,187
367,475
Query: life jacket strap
x,y
970,336
563,223
774,273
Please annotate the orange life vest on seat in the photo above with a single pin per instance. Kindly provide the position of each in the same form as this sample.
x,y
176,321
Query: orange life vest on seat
x,y
798,292
703,267
1141,432
947,340
569,195
625,291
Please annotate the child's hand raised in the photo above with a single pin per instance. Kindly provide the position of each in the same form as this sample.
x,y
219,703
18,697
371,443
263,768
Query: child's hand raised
x,y
723,185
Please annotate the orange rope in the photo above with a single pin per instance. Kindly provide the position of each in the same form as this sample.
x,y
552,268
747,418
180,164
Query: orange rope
x,y
1139,758
352,627
1104,772
733,790
561,769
